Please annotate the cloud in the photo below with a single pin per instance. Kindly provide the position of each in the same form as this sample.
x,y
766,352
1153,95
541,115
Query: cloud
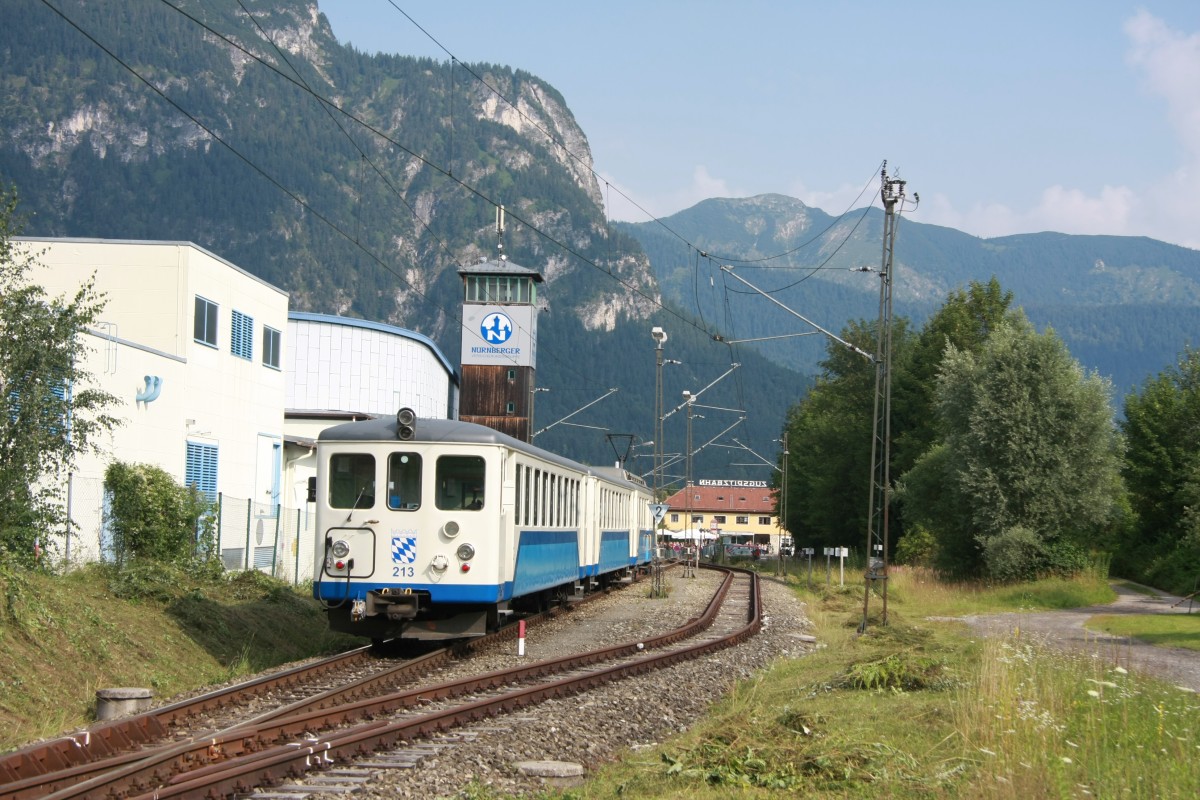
x,y
1170,65
1110,212
843,198
1164,207
703,186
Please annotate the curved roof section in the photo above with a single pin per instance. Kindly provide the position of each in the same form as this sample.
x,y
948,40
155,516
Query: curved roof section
x,y
353,322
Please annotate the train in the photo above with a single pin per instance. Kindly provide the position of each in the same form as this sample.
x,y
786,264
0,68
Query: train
x,y
435,529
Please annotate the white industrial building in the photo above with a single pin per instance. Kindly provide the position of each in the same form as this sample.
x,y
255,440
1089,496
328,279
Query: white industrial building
x,y
221,387
192,345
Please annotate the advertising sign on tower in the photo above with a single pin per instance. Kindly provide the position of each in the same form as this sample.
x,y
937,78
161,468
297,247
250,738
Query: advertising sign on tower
x,y
499,335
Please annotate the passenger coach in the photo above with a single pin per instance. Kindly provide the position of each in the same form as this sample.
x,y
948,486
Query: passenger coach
x,y
433,529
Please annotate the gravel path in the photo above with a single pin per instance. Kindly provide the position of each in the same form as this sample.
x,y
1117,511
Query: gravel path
x,y
1065,629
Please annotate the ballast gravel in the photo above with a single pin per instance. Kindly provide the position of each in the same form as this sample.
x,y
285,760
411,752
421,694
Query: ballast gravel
x,y
592,728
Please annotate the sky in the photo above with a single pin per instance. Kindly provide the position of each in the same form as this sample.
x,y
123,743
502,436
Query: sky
x,y
1078,116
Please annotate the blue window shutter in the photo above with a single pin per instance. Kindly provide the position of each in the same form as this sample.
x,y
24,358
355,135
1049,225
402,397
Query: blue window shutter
x,y
242,341
201,469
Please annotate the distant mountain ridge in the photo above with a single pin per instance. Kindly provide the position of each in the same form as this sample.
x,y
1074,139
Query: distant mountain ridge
x,y
1126,306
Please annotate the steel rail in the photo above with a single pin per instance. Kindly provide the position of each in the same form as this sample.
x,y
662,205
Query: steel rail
x,y
49,768
110,739
270,766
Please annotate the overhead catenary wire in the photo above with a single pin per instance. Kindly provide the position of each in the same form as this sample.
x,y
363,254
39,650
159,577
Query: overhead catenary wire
x,y
330,108
425,161
277,183
585,165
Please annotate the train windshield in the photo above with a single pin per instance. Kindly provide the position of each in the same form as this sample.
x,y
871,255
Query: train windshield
x,y
404,481
352,480
460,481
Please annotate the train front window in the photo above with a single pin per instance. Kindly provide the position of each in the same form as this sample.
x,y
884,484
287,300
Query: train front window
x,y
460,481
352,480
404,481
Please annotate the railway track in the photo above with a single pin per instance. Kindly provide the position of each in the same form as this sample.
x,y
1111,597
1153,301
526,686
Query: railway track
x,y
353,724
44,768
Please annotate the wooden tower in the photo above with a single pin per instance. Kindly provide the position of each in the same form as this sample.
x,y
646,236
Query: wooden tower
x,y
499,346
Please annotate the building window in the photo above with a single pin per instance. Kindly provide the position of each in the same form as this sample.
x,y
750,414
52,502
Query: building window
x,y
510,408
205,323
512,375
697,518
674,518
764,520
719,519
270,347
201,469
743,520
48,413
241,341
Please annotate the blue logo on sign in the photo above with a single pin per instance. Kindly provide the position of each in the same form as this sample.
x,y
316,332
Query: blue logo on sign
x,y
404,549
496,328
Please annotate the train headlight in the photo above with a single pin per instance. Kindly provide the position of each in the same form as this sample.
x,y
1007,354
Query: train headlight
x,y
450,529
440,563
341,549
465,552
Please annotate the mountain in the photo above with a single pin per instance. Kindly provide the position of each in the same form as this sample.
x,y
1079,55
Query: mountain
x,y
1125,306
361,183
358,183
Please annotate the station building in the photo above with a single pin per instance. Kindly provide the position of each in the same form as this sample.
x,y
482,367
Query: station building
x,y
733,511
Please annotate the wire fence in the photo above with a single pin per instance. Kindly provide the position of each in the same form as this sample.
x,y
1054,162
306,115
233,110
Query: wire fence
x,y
276,540
271,538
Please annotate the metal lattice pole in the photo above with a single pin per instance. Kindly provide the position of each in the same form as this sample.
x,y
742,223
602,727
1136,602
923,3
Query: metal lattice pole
x,y
892,194
660,336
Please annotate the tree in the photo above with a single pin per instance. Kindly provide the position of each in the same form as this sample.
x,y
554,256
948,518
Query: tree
x,y
965,321
1162,471
829,441
1027,467
49,416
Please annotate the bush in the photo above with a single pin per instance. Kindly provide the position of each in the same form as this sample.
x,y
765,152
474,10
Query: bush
x,y
1017,554
917,547
153,517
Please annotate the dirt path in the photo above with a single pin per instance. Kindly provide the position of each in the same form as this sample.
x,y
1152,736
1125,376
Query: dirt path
x,y
1065,629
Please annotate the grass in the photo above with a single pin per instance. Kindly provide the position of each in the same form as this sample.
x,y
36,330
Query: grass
x,y
915,709
937,598
1162,630
64,637
921,709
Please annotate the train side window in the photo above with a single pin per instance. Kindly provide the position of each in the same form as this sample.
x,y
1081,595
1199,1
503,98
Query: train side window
x,y
352,480
404,481
460,482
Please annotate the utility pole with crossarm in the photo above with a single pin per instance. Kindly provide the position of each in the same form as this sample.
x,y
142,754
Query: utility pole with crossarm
x,y
891,192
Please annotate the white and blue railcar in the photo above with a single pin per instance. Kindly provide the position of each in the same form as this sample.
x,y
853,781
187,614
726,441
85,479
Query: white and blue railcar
x,y
434,529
